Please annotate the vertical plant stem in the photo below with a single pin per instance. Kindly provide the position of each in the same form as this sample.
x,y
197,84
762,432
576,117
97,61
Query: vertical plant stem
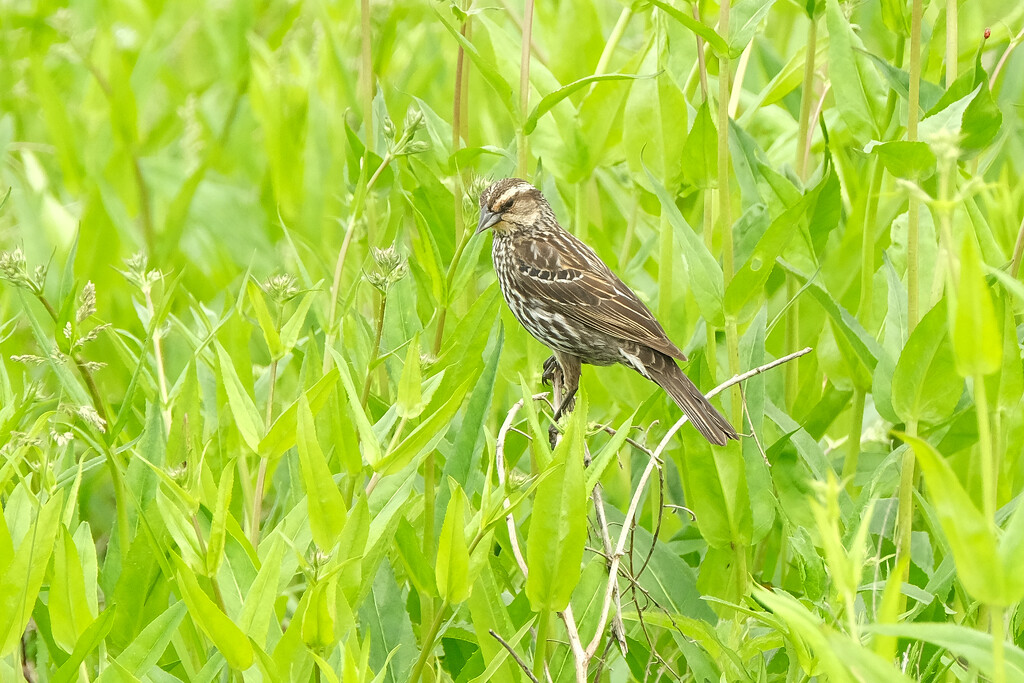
x,y
989,469
332,316
905,512
806,98
613,40
853,440
261,475
725,209
375,353
865,310
998,643
792,341
428,644
710,330
158,356
366,73
524,89
459,113
541,652
666,258
913,115
1018,251
952,51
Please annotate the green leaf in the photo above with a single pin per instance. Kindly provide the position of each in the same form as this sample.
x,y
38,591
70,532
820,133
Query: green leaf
x,y
925,385
281,436
976,338
599,464
855,84
146,648
487,70
452,568
69,609
558,524
325,504
228,638
410,397
904,159
716,484
419,569
700,151
367,439
706,281
961,641
20,583
551,99
425,436
290,330
258,607
704,31
970,535
91,641
744,18
270,333
218,535
247,418
752,275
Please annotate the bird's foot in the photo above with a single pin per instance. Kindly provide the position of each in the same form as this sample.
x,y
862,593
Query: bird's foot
x,y
552,372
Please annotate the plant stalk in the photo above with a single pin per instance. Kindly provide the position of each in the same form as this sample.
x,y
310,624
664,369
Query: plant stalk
x,y
952,51
725,209
540,653
913,115
375,353
524,89
428,644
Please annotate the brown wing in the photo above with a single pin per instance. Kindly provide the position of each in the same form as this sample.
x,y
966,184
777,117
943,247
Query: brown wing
x,y
569,277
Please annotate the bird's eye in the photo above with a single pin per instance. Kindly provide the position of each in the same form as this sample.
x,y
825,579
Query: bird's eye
x,y
506,205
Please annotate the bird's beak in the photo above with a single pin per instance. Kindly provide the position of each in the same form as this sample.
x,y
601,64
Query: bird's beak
x,y
488,219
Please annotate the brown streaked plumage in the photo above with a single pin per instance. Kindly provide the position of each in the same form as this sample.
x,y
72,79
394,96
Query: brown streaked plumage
x,y
567,298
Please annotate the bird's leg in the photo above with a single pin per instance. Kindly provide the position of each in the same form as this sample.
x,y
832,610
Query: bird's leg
x,y
566,378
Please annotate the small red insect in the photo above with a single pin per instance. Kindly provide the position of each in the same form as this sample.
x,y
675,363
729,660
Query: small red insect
x,y
988,33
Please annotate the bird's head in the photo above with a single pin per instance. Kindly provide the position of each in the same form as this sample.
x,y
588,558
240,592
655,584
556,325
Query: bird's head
x,y
511,205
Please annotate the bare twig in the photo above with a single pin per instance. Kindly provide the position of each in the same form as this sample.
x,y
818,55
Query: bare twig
x,y
627,522
515,656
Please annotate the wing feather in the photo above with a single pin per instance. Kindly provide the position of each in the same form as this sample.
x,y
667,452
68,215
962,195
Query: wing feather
x,y
570,277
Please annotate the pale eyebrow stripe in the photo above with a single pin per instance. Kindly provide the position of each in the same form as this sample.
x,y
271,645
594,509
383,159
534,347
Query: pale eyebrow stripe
x,y
508,194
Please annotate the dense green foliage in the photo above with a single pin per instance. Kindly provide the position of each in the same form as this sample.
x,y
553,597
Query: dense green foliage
x,y
258,388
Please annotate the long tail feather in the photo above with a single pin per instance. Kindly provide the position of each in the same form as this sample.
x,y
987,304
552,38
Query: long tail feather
x,y
708,421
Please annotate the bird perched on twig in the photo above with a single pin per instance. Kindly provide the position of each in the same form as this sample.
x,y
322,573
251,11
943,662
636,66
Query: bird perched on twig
x,y
567,298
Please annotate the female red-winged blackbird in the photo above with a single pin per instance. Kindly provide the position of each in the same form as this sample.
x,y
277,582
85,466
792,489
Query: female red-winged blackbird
x,y
567,298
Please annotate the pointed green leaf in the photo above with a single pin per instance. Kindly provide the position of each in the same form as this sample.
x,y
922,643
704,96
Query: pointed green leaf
x,y
325,504
976,338
558,525
247,418
452,568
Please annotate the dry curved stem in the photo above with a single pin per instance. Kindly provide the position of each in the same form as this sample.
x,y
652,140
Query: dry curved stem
x,y
627,522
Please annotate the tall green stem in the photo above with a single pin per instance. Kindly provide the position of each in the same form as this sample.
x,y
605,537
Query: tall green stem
x,y
540,653
989,470
261,476
806,98
952,51
524,89
853,440
998,643
428,644
366,73
725,209
905,511
375,352
913,115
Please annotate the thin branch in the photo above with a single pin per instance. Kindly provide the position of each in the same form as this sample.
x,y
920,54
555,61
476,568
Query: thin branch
x,y
515,656
635,502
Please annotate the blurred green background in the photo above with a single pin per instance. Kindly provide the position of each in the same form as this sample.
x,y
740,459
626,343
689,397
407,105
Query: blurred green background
x,y
222,174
